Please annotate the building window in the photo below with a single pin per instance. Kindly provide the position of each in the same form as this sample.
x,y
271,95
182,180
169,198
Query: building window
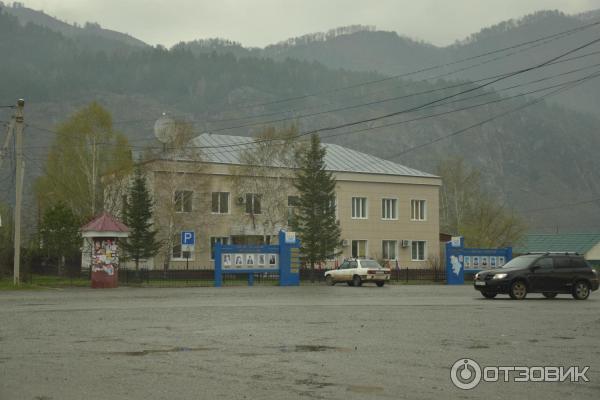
x,y
359,248
214,241
253,203
418,210
220,202
359,207
293,202
183,201
177,253
389,209
418,250
388,249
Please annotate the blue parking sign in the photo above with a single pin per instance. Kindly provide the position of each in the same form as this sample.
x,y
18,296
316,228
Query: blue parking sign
x,y
188,238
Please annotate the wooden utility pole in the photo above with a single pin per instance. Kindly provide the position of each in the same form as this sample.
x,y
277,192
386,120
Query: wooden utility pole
x,y
94,174
19,185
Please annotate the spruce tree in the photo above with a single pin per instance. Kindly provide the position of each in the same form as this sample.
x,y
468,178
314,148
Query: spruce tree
x,y
315,221
137,215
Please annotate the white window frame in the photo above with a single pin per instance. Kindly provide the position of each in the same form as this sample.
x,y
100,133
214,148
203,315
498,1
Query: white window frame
x,y
394,209
253,198
210,248
183,201
366,247
412,255
219,203
366,207
413,202
395,249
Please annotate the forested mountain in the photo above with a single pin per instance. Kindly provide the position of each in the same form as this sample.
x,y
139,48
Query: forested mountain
x,y
538,158
363,48
91,35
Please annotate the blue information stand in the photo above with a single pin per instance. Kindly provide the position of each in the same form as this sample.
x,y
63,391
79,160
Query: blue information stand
x,y
239,259
461,260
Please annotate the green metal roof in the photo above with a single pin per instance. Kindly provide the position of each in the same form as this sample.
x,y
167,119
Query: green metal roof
x,y
572,242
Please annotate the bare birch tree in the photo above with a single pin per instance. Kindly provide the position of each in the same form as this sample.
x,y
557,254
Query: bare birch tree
x,y
466,209
267,171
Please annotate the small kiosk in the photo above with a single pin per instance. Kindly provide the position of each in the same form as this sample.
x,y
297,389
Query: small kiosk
x,y
103,234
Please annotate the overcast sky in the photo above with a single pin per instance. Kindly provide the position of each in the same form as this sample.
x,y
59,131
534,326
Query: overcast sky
x,y
262,22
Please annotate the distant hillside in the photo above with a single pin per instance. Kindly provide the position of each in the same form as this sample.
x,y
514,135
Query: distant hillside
x,y
538,158
360,48
89,36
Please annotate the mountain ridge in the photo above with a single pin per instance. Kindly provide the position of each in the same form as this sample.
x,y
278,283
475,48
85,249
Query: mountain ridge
x,y
541,155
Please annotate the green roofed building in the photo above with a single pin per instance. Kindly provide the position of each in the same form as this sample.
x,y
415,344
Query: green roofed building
x,y
586,244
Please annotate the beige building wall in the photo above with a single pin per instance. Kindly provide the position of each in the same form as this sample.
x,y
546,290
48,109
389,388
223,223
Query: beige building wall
x,y
168,177
593,253
375,229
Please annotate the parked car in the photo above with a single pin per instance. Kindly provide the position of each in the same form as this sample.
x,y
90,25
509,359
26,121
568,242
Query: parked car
x,y
356,271
546,273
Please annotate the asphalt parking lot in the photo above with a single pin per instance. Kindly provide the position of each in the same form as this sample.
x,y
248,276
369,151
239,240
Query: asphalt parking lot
x,y
279,343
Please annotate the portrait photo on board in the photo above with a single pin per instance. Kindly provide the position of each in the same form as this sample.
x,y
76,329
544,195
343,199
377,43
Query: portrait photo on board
x,y
272,259
239,260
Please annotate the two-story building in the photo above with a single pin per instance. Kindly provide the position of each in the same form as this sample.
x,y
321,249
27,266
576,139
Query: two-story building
x,y
386,211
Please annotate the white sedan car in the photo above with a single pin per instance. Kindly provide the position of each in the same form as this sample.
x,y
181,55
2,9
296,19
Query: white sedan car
x,y
355,272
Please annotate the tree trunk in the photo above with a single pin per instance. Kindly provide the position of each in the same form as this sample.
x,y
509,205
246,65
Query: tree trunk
x,y
138,277
312,271
61,263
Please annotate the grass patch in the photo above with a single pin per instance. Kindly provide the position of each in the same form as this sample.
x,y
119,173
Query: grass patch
x,y
38,282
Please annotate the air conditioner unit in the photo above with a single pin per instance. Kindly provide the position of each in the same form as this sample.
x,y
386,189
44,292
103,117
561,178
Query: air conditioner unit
x,y
405,243
240,200
345,243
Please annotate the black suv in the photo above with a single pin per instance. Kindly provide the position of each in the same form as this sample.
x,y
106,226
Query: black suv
x,y
546,273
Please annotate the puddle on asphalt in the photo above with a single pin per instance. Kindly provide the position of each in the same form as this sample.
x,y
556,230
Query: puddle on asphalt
x,y
158,351
365,389
313,383
478,346
307,348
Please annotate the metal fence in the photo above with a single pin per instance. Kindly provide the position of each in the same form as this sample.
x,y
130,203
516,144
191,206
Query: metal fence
x,y
402,275
190,277
198,276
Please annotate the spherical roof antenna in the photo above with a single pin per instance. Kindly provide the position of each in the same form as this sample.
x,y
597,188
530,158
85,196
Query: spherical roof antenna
x,y
164,128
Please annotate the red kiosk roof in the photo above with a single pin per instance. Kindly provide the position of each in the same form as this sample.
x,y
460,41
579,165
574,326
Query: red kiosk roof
x,y
105,223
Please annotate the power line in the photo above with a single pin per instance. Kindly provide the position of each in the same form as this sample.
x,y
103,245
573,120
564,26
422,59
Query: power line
x,y
463,130
410,120
388,115
291,111
578,203
555,35
537,42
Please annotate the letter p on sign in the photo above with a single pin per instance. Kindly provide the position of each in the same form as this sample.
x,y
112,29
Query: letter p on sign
x,y
187,238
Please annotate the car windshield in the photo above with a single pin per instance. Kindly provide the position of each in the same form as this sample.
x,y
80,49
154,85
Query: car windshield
x,y
519,262
369,264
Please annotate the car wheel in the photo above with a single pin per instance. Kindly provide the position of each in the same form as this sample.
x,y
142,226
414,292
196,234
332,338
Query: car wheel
x,y
329,280
518,290
489,295
380,284
549,295
350,283
581,290
356,281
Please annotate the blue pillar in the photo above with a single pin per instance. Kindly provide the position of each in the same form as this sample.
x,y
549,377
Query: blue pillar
x,y
250,279
287,276
455,268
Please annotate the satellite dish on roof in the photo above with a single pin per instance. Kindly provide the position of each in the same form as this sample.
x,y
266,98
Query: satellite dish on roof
x,y
164,128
